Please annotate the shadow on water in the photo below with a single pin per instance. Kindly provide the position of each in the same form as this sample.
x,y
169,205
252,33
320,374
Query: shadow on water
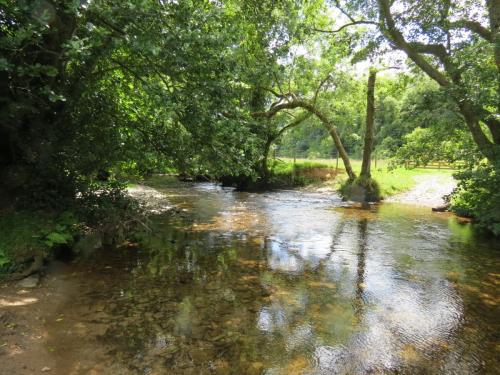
x,y
286,283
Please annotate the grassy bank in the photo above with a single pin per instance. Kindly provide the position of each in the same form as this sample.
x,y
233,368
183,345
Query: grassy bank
x,y
285,173
30,237
391,181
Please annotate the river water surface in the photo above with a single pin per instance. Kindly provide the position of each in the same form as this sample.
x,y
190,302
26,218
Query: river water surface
x,y
286,282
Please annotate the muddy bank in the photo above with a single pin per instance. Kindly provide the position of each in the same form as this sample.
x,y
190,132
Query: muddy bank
x,y
24,314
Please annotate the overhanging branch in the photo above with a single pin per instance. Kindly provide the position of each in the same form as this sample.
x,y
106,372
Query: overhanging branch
x,y
475,27
360,22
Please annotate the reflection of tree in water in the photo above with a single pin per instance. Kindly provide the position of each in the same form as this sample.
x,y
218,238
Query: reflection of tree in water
x,y
199,303
306,309
188,306
360,269
203,301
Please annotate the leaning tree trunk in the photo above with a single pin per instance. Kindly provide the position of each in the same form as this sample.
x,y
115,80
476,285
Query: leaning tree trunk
x,y
264,166
342,152
335,136
298,103
369,130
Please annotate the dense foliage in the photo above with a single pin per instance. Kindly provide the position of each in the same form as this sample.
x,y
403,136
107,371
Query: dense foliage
x,y
478,195
104,90
127,84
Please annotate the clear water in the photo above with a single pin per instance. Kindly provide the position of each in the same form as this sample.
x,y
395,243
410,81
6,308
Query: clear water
x,y
286,283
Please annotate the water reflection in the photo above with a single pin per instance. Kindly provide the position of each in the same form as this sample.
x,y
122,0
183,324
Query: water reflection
x,y
282,283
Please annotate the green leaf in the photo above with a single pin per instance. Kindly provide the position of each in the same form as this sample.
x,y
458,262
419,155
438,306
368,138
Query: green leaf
x,y
58,238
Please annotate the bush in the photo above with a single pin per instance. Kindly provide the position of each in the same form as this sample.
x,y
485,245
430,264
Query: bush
x,y
478,196
106,208
25,235
101,210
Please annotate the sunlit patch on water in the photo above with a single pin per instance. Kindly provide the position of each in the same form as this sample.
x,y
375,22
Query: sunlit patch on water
x,y
286,283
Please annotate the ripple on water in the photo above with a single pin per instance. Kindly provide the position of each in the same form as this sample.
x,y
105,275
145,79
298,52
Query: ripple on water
x,y
281,283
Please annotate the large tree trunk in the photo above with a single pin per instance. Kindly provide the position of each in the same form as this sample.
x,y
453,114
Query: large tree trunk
x,y
264,166
472,122
494,16
369,129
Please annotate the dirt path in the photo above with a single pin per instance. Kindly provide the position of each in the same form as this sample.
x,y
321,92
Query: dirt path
x,y
428,191
23,316
28,314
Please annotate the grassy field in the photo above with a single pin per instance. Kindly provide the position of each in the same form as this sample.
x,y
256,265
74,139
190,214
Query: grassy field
x,y
391,181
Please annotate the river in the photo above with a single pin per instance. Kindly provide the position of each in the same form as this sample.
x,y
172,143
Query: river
x,y
284,282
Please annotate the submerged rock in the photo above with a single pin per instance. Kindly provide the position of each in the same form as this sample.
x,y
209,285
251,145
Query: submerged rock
x,y
29,282
88,243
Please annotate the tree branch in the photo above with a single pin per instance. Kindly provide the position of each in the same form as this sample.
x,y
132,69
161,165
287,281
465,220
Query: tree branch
x,y
298,121
397,37
274,92
437,50
361,22
310,107
337,5
323,81
131,71
475,27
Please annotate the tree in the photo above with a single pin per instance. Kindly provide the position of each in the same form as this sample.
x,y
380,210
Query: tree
x,y
290,101
454,37
369,128
272,138
105,83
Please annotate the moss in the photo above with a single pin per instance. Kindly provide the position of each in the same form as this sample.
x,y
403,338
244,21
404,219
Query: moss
x,y
362,189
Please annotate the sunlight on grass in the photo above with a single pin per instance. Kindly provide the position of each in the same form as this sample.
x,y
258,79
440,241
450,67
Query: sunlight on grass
x,y
391,181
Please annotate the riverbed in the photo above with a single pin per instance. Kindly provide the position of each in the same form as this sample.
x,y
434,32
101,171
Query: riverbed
x,y
284,282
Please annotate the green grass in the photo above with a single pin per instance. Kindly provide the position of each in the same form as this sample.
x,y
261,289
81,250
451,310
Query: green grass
x,y
391,181
285,166
25,234
20,236
285,174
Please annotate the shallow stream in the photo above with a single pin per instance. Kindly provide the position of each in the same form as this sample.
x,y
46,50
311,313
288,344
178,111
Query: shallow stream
x,y
285,282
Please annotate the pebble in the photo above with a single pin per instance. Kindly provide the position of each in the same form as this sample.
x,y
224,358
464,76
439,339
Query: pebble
x,y
29,282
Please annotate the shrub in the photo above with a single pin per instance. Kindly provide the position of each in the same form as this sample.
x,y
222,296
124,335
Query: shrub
x,y
25,235
478,195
